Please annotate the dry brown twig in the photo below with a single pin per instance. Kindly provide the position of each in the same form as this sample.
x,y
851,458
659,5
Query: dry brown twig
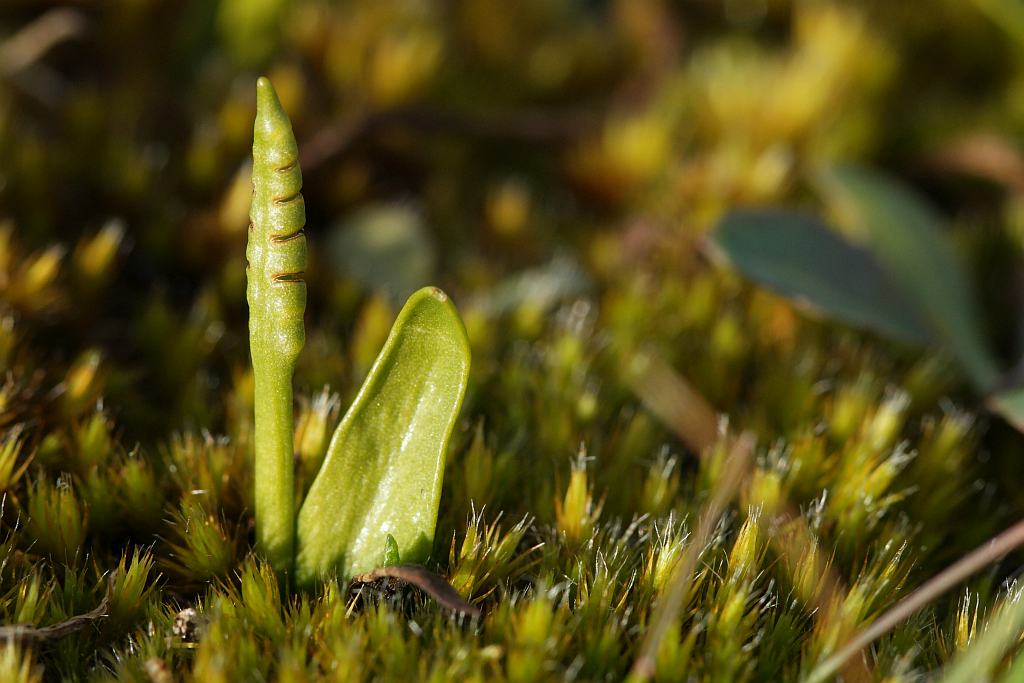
x,y
674,600
684,410
430,583
530,127
24,633
983,155
34,40
977,559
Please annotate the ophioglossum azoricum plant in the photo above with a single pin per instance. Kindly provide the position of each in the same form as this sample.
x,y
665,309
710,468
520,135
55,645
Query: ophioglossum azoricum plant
x,y
276,256
374,500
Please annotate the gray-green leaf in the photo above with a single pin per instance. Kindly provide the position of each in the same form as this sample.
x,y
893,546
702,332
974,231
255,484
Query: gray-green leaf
x,y
384,247
382,474
906,236
801,258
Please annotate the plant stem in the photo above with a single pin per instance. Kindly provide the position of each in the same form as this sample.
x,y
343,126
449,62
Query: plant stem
x,y
673,602
979,558
275,488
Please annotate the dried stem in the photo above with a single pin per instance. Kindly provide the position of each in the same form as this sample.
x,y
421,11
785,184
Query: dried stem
x,y
672,603
979,558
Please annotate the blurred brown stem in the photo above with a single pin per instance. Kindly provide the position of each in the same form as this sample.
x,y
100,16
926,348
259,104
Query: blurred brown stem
x,y
674,600
531,127
977,559
34,40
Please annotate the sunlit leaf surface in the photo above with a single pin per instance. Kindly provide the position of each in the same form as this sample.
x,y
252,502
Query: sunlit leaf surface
x,y
382,474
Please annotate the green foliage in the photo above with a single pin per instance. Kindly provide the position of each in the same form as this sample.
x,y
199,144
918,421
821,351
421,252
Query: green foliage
x,y
391,555
56,519
131,590
10,452
380,480
16,665
201,549
386,248
801,258
276,259
907,283
1001,631
383,471
907,237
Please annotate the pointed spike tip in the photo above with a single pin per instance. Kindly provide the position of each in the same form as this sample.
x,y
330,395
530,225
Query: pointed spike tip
x,y
268,107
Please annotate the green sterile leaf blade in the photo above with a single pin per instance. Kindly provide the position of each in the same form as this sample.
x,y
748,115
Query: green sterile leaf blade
x,y
383,469
906,236
799,257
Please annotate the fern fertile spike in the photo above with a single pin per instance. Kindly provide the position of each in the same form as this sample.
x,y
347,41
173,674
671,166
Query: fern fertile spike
x,y
276,257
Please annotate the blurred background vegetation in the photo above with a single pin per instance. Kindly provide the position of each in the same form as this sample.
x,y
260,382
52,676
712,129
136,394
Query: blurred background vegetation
x,y
461,142
555,166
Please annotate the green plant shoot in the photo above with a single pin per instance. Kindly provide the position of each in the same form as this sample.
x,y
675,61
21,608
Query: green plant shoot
x,y
376,496
276,255
382,474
